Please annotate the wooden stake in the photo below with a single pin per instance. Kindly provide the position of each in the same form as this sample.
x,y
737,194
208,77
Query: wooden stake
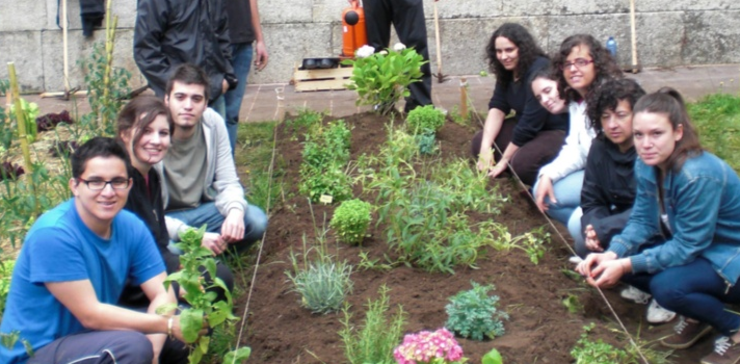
x,y
65,52
464,97
634,37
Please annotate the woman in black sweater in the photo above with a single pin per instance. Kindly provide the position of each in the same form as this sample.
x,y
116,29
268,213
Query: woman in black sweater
x,y
144,127
533,137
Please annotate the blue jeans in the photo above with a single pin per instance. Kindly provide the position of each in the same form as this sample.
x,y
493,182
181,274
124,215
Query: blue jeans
x,y
576,232
568,194
242,61
255,221
694,290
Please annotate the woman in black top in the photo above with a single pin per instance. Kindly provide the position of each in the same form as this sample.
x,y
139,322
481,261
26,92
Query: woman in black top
x,y
144,127
533,137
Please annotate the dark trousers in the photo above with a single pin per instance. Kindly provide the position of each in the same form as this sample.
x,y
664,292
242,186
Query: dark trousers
x,y
407,17
531,156
108,347
694,290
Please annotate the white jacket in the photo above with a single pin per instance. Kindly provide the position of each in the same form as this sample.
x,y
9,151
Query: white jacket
x,y
572,156
222,183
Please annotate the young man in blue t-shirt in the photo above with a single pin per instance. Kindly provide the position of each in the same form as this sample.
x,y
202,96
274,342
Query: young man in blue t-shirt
x,y
73,266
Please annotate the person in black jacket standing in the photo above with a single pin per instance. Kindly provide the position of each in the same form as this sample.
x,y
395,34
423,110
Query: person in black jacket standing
x,y
407,16
169,33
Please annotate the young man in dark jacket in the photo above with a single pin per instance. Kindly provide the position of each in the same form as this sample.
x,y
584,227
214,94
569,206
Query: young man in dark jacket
x,y
169,33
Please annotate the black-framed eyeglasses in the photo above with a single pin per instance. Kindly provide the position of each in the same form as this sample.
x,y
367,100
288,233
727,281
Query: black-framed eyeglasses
x,y
578,62
99,184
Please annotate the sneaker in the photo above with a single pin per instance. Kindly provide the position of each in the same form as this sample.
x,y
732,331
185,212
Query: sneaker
x,y
635,295
657,314
687,334
725,352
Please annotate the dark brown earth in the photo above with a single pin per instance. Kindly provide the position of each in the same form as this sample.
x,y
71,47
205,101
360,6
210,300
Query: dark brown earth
x,y
540,330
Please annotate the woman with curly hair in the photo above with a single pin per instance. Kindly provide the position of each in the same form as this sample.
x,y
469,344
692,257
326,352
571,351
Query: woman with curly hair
x,y
584,65
533,136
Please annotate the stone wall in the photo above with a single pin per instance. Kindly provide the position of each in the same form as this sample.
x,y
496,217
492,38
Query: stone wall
x,y
669,33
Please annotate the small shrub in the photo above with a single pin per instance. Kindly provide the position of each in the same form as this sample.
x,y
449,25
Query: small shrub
x,y
427,143
322,282
375,339
425,119
473,314
351,220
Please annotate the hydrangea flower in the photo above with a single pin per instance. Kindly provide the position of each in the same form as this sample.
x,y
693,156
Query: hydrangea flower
x,y
364,51
399,47
424,347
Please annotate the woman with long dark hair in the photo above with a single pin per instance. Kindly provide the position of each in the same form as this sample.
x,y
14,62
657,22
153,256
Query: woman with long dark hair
x,y
533,136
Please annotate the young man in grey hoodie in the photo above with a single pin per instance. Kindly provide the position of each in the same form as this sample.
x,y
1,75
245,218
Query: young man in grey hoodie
x,y
199,180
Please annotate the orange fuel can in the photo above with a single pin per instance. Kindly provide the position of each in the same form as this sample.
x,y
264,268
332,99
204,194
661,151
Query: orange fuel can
x,y
354,33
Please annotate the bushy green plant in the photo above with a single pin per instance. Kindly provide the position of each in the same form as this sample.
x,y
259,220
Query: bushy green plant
x,y
107,87
325,156
425,119
203,309
323,283
473,314
351,220
532,242
382,78
374,340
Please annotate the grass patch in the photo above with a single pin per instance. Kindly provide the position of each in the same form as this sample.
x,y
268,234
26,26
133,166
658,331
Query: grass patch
x,y
717,119
253,157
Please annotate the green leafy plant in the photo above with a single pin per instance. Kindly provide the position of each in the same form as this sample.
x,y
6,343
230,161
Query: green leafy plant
x,y
598,352
322,282
425,119
203,311
572,303
473,314
427,143
532,242
29,114
351,220
375,338
382,78
325,157
492,357
6,273
107,87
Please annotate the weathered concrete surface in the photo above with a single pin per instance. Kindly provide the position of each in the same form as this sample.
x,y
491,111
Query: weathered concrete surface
x,y
669,33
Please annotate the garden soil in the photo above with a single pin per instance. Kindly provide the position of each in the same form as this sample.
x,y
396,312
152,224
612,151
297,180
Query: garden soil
x,y
540,329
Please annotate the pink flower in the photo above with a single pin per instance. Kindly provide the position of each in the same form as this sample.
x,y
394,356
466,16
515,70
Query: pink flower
x,y
425,346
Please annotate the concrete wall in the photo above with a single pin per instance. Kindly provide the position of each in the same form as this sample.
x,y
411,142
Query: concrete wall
x,y
669,33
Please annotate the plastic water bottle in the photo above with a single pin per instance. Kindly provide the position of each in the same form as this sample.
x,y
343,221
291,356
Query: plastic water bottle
x,y
611,46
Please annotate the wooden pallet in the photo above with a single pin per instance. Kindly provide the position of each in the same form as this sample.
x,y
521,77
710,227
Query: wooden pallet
x,y
321,79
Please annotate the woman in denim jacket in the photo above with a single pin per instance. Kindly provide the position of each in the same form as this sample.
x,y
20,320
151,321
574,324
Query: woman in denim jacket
x,y
690,199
